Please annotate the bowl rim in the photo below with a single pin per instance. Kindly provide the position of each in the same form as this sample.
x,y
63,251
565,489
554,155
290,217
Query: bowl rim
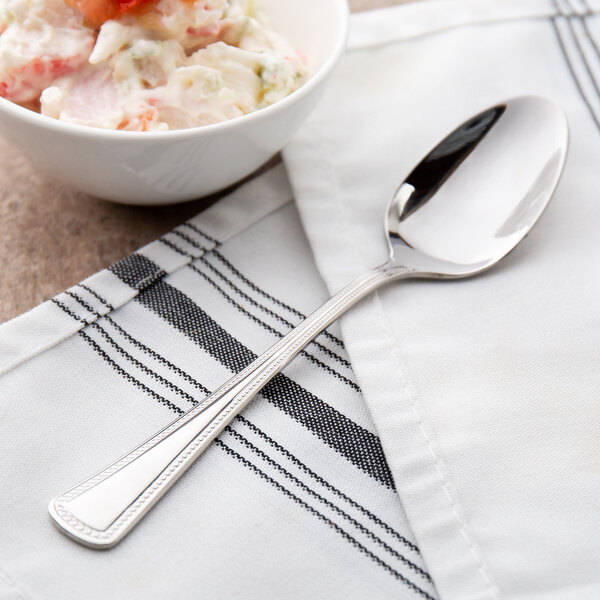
x,y
77,130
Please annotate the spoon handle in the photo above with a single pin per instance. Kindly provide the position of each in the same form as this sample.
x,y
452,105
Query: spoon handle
x,y
103,509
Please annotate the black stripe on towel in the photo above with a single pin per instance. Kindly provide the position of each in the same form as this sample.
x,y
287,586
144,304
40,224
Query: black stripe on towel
x,y
570,58
137,271
361,447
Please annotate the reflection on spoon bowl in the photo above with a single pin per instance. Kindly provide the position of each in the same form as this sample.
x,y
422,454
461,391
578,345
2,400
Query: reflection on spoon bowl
x,y
474,197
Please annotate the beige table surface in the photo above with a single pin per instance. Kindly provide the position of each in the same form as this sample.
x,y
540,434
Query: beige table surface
x,y
52,237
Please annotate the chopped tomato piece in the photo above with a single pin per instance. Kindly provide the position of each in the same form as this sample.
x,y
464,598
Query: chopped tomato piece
x,y
125,5
95,11
99,11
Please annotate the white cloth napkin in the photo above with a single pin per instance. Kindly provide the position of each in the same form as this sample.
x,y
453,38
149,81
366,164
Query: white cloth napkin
x,y
294,500
484,392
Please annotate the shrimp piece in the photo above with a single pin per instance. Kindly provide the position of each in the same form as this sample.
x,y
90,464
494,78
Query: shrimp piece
x,y
95,12
91,98
30,61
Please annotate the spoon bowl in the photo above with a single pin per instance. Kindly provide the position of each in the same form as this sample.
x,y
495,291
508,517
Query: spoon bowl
x,y
470,201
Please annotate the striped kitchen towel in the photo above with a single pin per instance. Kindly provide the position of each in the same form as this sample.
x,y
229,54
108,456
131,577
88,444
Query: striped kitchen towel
x,y
294,500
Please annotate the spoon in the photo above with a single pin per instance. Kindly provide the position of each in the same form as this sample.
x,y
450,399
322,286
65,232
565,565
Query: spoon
x,y
469,202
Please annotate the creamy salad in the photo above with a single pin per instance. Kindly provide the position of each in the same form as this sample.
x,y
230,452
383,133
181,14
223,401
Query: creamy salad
x,y
143,65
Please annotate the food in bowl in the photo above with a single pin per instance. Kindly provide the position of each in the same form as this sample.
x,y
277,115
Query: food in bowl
x,y
164,167
143,65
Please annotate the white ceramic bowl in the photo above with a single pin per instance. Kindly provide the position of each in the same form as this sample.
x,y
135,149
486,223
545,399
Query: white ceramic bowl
x,y
173,166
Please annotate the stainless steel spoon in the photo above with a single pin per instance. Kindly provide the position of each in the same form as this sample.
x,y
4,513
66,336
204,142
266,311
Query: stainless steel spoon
x,y
470,201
